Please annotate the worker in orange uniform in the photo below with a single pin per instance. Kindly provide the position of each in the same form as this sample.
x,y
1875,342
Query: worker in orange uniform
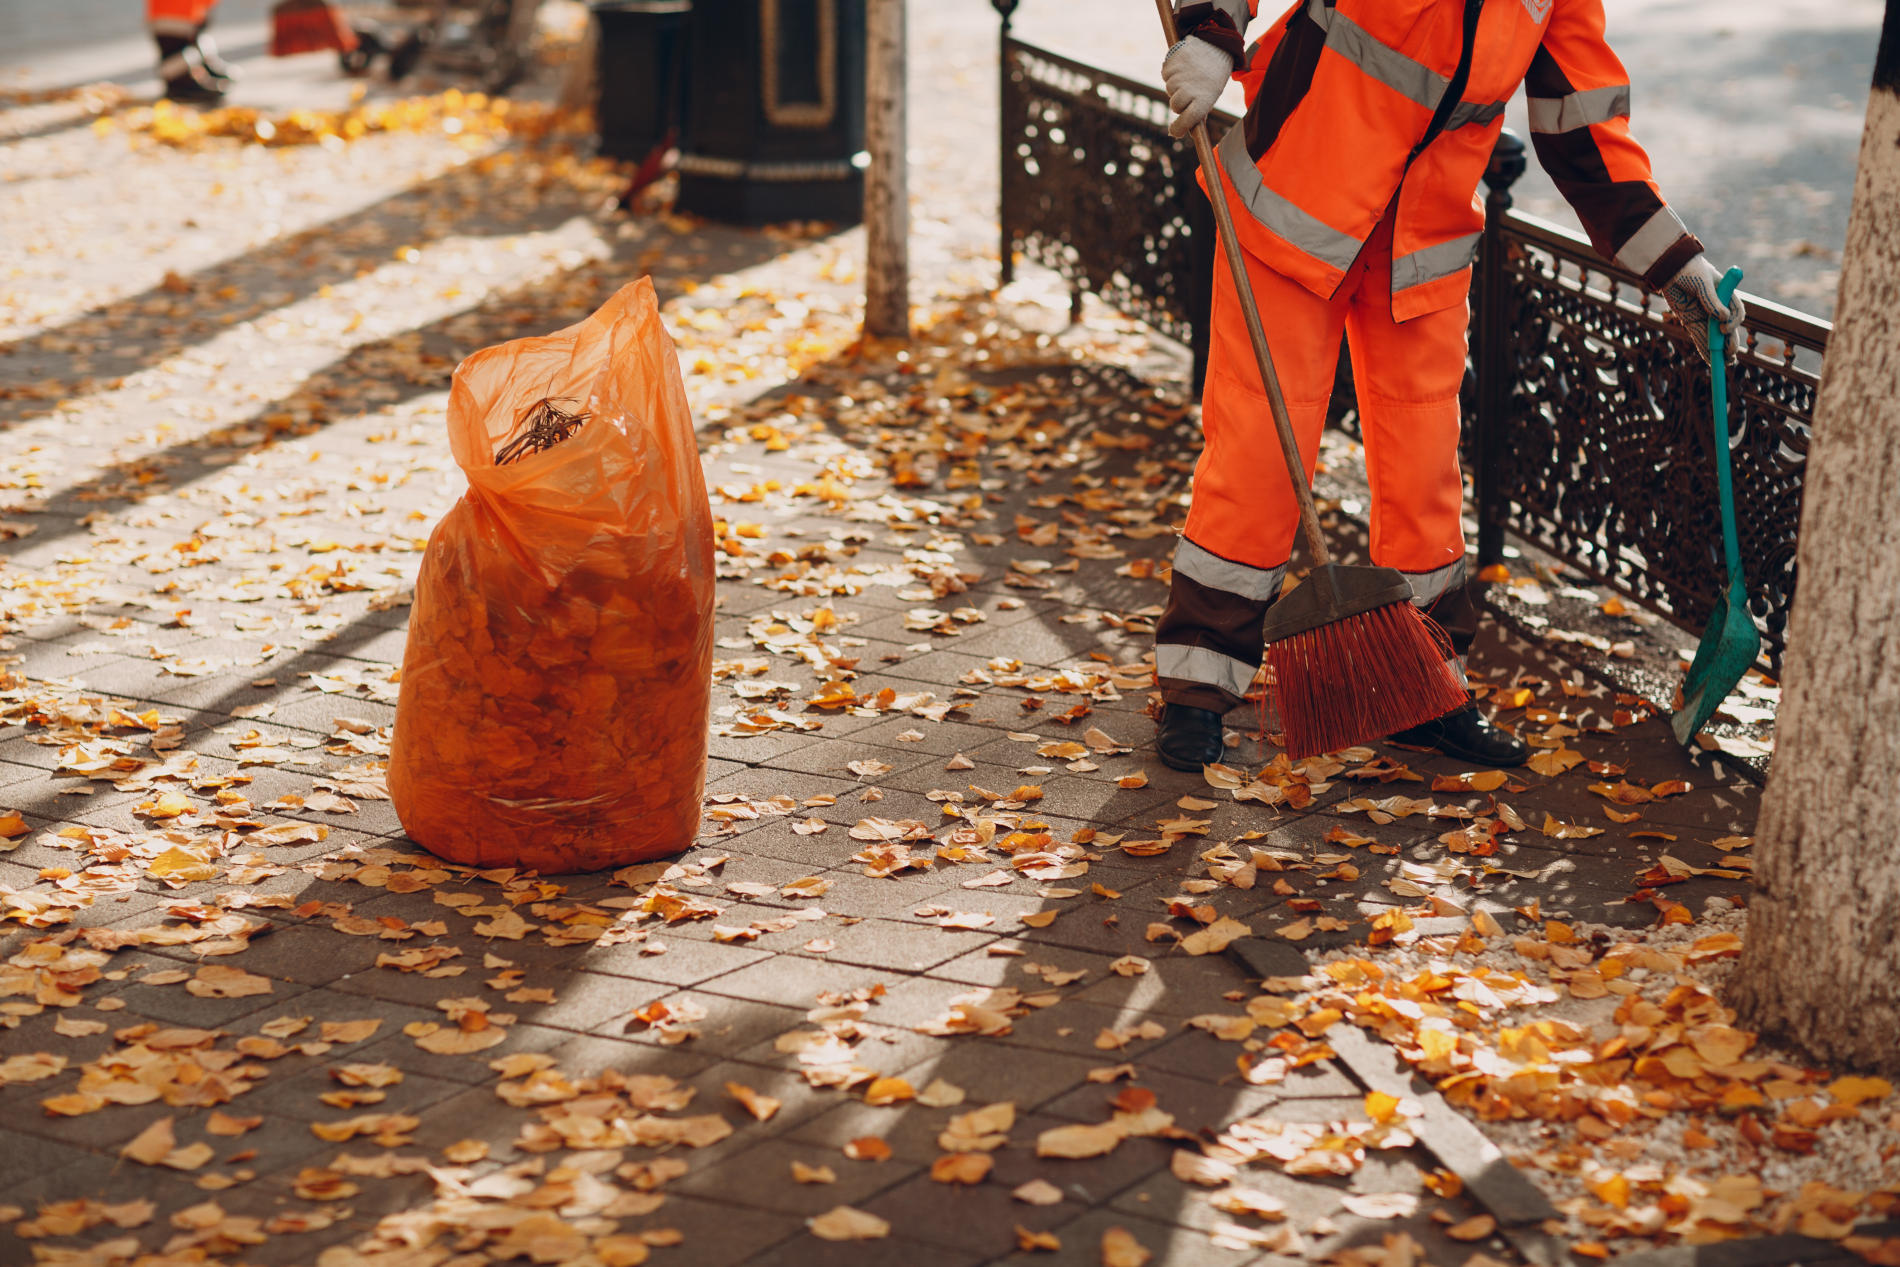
x,y
188,61
1353,181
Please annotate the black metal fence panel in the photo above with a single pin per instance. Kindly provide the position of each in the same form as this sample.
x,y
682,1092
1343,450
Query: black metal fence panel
x,y
1605,451
1589,432
1096,189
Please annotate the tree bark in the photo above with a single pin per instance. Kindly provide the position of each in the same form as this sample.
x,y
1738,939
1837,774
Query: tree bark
x,y
1821,964
886,184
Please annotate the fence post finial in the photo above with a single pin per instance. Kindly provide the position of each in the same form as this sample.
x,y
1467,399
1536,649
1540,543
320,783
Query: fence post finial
x,y
1506,165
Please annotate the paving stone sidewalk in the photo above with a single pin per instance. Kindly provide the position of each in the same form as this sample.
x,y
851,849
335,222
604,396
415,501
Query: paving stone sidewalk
x,y
211,514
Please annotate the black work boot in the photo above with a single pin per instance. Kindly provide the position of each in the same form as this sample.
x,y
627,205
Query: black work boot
x,y
1466,735
1189,737
183,78
222,74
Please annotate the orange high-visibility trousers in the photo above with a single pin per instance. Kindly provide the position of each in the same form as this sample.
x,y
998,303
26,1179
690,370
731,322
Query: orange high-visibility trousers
x,y
1243,518
180,18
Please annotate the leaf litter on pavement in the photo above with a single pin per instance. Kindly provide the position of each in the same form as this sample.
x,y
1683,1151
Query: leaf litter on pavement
x,y
1603,1058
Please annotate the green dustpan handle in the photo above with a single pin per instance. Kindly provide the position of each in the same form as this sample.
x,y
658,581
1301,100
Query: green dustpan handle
x,y
1718,383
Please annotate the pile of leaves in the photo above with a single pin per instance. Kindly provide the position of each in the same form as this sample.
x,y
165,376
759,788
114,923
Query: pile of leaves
x,y
474,117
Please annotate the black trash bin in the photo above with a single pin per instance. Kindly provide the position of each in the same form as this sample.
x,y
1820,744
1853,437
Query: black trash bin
x,y
642,74
775,112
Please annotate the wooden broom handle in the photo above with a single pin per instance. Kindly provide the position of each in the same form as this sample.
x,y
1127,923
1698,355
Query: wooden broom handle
x,y
1256,333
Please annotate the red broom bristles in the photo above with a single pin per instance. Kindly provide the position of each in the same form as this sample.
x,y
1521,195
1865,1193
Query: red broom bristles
x,y
1361,679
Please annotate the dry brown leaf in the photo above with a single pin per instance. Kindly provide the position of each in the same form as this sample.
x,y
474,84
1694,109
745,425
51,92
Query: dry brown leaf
x,y
1261,1205
759,1106
980,1130
1082,1140
842,1223
1121,1249
620,1250
1475,1228
1216,937
940,1095
452,1041
345,1031
190,1157
30,1067
1037,1192
1190,1167
219,981
150,1146
801,1173
964,1168
867,1148
222,1123
1381,1205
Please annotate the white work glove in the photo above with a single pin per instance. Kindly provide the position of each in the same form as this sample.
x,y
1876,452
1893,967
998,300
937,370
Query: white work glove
x,y
1691,296
1195,73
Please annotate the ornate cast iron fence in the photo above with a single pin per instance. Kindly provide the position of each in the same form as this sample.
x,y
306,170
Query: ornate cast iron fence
x,y
1590,435
1096,189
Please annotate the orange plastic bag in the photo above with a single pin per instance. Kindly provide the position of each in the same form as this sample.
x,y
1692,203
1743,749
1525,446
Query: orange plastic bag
x,y
557,679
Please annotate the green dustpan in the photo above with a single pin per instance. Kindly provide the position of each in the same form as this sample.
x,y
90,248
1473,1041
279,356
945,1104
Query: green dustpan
x,y
1731,643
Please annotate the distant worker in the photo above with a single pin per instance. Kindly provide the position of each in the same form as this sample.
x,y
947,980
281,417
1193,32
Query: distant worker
x,y
188,61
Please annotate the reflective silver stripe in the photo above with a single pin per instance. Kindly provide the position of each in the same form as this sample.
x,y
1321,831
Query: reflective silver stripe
x,y
1580,109
1434,262
1299,229
174,66
1467,112
173,26
1258,584
1380,60
1394,69
1429,587
1645,246
1204,665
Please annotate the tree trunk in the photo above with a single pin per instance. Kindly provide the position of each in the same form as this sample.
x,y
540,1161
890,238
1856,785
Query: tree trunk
x,y
1821,966
886,184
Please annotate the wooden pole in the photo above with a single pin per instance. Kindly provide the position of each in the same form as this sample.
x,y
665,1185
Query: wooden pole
x,y
886,184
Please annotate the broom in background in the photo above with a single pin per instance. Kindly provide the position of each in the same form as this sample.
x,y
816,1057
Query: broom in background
x,y
309,26
1351,658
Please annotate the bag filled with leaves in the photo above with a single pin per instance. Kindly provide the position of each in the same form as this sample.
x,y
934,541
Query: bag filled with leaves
x,y
557,679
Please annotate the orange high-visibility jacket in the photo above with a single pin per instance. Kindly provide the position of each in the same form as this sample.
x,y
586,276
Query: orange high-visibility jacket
x,y
180,18
1351,102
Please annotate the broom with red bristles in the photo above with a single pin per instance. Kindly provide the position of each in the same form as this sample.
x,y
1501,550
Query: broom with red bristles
x,y
308,26
1351,658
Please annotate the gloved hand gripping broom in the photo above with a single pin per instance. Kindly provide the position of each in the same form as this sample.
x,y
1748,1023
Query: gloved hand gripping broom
x,y
1351,658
